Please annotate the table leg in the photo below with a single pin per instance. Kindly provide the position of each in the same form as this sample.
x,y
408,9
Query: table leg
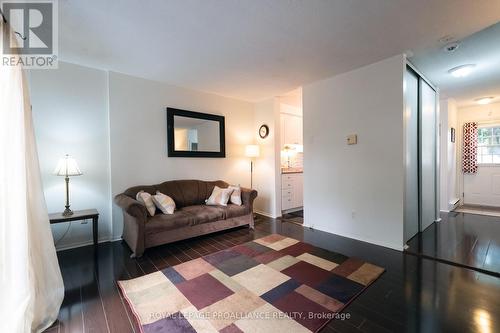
x,y
94,230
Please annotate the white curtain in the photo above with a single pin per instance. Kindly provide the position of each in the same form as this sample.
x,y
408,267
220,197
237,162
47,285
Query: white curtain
x,y
31,286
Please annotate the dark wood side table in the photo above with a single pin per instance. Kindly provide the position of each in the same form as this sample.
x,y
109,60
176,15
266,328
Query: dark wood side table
x,y
77,216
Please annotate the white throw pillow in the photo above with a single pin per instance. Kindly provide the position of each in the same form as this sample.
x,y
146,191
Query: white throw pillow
x,y
219,197
146,199
236,195
164,203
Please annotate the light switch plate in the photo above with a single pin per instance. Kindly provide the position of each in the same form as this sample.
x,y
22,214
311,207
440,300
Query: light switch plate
x,y
352,139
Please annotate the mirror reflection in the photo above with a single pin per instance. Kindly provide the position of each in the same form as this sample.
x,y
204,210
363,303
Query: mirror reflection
x,y
191,134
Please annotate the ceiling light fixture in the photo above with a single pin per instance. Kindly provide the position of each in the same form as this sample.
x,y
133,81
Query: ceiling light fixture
x,y
484,100
462,71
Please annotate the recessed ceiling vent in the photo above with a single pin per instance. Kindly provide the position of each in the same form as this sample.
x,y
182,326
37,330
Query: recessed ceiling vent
x,y
451,47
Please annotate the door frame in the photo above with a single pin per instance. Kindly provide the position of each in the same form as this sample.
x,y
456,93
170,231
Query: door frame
x,y
410,67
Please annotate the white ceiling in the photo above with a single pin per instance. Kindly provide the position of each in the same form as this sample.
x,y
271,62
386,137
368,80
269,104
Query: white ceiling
x,y
481,49
255,49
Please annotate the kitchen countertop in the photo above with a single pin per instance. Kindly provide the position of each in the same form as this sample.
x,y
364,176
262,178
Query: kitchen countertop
x,y
291,170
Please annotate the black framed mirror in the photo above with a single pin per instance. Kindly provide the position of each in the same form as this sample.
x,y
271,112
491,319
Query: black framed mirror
x,y
195,134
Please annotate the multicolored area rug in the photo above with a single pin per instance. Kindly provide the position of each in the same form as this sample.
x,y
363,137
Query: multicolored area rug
x,y
272,284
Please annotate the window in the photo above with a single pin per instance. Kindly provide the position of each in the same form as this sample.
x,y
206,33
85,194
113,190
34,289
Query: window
x,y
488,143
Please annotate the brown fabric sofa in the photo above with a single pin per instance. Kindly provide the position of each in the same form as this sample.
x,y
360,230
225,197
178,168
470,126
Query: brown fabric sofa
x,y
191,217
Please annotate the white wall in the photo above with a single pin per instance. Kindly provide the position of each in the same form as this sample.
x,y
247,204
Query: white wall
x,y
139,132
267,167
448,151
114,124
482,188
356,191
70,117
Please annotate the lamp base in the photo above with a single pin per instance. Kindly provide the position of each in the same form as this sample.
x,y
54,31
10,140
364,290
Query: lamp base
x,y
67,212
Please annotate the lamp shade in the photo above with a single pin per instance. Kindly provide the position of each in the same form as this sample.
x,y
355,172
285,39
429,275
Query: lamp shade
x,y
67,167
252,151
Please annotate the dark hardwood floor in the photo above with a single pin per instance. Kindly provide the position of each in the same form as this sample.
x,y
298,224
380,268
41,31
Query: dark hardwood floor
x,y
470,240
413,295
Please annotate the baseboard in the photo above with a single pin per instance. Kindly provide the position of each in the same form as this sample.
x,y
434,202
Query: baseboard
x,y
264,213
80,244
293,210
363,239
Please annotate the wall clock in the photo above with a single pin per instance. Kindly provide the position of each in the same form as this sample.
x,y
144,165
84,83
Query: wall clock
x,y
264,131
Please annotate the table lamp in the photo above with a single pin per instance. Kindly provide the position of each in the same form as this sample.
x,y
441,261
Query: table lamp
x,y
252,151
67,167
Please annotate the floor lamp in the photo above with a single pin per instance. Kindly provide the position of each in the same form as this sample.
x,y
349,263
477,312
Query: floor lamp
x,y
252,151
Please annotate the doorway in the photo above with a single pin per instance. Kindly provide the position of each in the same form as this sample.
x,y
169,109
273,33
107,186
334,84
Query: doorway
x,y
291,147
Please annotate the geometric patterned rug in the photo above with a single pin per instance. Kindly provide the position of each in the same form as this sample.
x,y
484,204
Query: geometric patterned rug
x,y
272,284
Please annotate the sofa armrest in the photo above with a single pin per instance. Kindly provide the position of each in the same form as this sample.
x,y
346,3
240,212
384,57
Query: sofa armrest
x,y
131,206
134,220
248,196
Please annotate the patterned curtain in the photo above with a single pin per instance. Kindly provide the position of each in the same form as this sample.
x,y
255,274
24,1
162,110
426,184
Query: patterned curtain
x,y
469,157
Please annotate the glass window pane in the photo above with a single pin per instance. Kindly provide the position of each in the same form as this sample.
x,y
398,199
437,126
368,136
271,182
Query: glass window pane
x,y
496,131
496,158
491,150
481,132
487,131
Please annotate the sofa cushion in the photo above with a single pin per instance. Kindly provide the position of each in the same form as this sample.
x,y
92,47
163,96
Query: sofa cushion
x,y
236,195
219,196
164,203
232,210
204,214
147,200
162,222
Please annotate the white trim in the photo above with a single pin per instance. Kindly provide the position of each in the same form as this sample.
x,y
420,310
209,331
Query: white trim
x,y
292,210
79,244
265,214
399,247
488,124
110,183
85,243
429,82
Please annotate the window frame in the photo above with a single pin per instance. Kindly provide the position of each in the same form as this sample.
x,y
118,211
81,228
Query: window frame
x,y
491,127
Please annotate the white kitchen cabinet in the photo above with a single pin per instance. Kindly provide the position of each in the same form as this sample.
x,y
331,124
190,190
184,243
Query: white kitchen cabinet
x,y
291,129
291,191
